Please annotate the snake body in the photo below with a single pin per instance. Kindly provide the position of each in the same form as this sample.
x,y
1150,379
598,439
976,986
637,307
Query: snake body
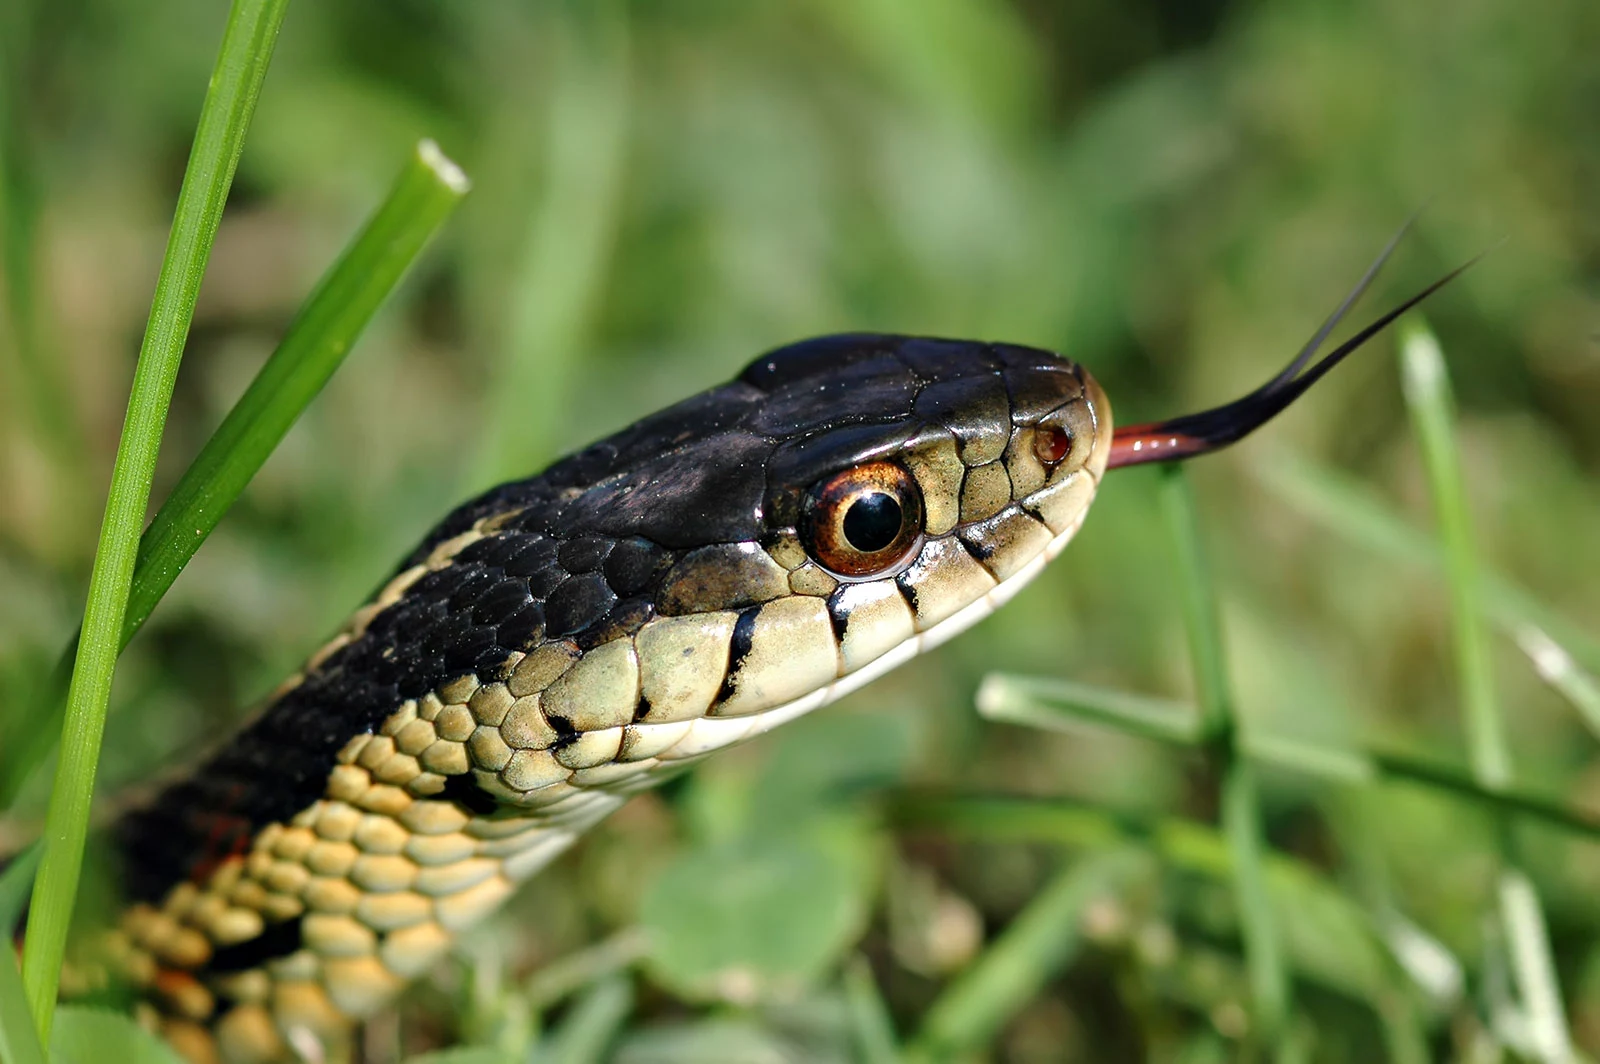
x,y
562,642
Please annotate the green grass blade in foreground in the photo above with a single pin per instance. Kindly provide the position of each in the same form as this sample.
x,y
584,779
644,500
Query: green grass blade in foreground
x,y
1058,705
1351,511
1556,668
247,44
422,197
1066,706
1039,943
1426,385
1240,812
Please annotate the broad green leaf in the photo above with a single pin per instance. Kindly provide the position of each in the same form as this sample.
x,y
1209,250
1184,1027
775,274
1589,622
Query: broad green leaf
x,y
752,921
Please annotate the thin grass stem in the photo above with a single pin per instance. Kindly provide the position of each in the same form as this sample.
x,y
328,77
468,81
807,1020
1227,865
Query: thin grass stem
x,y
1062,705
423,195
1066,706
247,46
555,982
871,1026
591,1025
1041,941
1556,668
1240,807
1366,970
1426,385
1350,511
558,284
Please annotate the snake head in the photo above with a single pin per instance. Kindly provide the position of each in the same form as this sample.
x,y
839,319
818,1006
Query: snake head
x,y
868,495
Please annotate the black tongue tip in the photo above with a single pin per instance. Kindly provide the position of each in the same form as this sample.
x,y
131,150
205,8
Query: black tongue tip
x,y
1210,430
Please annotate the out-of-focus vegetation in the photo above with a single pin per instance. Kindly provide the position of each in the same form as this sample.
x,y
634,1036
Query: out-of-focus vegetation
x,y
1174,194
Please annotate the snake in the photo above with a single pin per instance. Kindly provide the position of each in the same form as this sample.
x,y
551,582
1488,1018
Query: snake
x,y
563,642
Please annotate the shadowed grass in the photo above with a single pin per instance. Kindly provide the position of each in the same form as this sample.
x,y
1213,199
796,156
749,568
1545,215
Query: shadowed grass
x,y
1240,805
247,44
590,1026
1040,942
871,1026
1428,397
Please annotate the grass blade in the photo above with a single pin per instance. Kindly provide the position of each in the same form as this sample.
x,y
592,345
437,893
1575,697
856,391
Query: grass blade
x,y
1556,668
1362,967
41,394
591,1026
1351,511
1057,705
1240,811
1427,393
552,983
1039,943
16,883
871,1028
1060,705
246,50
19,1041
423,195
561,278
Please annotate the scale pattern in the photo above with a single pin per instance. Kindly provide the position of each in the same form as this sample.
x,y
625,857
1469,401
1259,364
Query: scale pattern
x,y
562,642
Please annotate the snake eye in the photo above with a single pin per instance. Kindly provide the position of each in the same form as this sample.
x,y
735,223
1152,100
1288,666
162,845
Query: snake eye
x,y
1051,443
864,520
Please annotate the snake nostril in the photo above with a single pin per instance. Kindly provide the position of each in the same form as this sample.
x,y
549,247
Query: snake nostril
x,y
1051,443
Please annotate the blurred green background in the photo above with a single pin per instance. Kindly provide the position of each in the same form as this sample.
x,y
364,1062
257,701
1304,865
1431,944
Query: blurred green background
x,y
1173,193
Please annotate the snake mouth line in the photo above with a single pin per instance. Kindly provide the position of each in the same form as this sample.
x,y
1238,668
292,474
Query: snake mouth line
x,y
716,733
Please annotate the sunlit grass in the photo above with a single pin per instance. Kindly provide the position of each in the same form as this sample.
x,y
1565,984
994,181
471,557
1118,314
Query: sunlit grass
x,y
1427,391
219,138
315,345
132,572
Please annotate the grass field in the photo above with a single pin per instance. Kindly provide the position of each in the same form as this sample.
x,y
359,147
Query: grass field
x,y
1290,757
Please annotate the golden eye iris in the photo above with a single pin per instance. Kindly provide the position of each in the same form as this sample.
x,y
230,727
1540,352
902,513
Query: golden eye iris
x,y
863,521
1051,443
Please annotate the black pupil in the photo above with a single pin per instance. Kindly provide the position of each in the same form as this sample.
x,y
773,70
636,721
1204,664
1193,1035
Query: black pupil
x,y
872,522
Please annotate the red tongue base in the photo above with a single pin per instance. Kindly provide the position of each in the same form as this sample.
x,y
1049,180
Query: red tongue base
x,y
1151,443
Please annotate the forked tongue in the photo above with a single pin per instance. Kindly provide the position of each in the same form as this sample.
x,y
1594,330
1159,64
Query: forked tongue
x,y
1211,430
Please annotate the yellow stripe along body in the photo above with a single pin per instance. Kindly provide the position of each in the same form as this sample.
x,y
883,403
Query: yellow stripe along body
x,y
317,919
